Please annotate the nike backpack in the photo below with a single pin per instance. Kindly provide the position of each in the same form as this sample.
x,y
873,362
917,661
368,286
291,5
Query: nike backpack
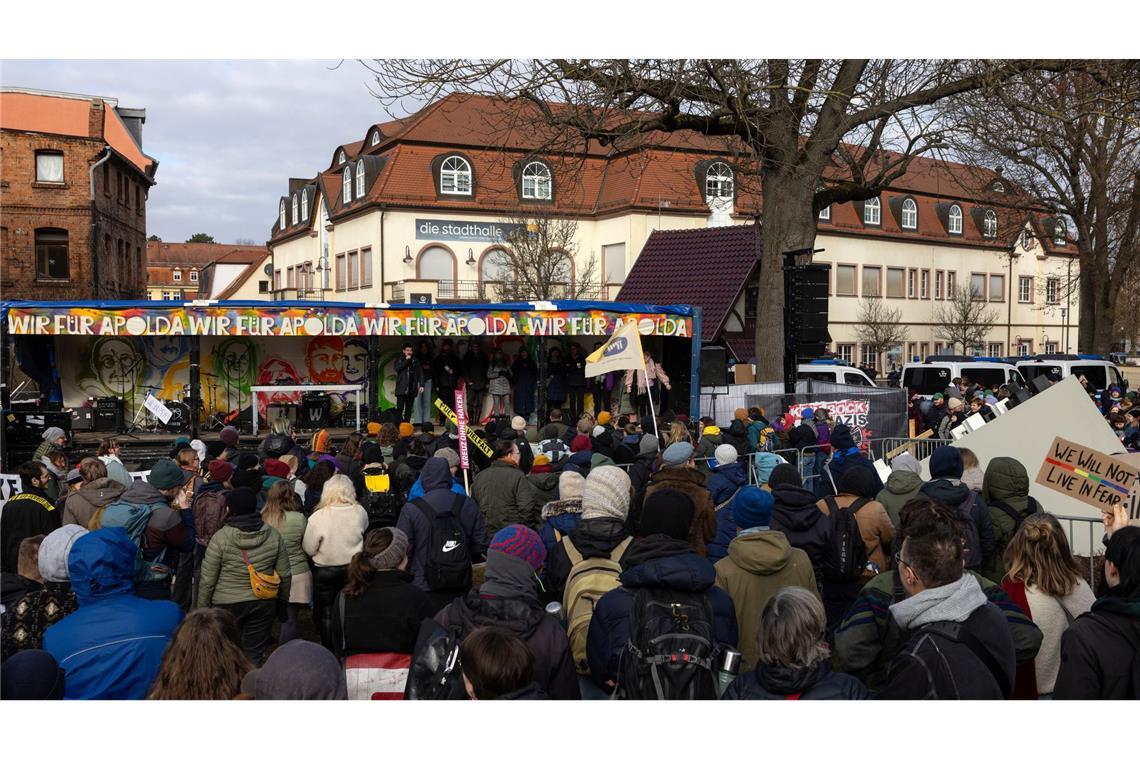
x,y
448,563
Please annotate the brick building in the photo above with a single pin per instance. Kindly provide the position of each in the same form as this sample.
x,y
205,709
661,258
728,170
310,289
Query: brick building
x,y
73,191
185,271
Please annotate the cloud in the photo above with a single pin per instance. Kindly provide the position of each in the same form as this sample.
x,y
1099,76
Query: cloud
x,y
227,134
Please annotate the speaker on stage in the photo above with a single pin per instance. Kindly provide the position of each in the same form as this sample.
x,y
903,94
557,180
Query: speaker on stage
x,y
83,419
314,411
714,366
108,414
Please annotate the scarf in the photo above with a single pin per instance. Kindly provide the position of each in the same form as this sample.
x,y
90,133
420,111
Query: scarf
x,y
953,602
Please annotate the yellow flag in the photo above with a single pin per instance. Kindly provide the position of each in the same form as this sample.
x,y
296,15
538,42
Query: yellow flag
x,y
621,351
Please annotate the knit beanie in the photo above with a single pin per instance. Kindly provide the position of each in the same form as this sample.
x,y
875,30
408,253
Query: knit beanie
x,y
220,470
241,501
667,511
752,508
807,414
406,430
677,454
275,468
370,453
946,462
598,430
31,674
649,444
542,460
297,670
785,475
725,454
954,404
604,418
580,443
228,435
570,485
740,413
905,462
448,453
550,431
54,550
841,439
711,430
606,493
518,423
860,481
522,542
52,433
373,428
390,558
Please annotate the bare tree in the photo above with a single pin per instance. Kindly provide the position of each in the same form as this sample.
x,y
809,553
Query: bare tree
x,y
804,133
880,328
1071,140
539,261
964,320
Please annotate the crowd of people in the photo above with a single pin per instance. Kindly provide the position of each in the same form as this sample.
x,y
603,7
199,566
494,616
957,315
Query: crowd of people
x,y
585,559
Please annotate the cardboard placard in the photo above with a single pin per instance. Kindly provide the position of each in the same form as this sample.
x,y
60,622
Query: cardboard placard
x,y
158,409
1087,475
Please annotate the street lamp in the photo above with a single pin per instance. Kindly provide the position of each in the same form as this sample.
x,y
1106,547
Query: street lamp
x,y
407,254
471,257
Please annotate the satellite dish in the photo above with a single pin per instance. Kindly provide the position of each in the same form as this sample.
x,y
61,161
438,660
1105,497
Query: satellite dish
x,y
268,270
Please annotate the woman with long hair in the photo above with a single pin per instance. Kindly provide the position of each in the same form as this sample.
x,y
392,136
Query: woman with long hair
x,y
204,659
1046,581
334,534
315,481
280,512
383,609
677,431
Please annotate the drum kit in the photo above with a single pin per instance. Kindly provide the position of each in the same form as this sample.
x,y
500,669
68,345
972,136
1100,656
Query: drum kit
x,y
180,410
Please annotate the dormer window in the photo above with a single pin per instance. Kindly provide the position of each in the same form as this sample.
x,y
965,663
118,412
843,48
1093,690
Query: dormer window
x,y
718,180
825,215
193,275
341,158
1059,234
281,214
375,138
346,185
955,224
455,176
872,211
178,275
295,216
360,178
909,214
304,205
536,184
997,186
989,224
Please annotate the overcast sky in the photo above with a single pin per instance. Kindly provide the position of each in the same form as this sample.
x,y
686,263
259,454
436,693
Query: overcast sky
x,y
227,134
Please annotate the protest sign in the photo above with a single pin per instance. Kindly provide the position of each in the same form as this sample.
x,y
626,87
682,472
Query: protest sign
x,y
479,442
1090,476
461,423
854,413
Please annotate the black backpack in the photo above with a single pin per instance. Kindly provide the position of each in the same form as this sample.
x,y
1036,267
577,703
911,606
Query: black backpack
x,y
972,552
448,565
1032,508
848,554
672,651
381,500
435,672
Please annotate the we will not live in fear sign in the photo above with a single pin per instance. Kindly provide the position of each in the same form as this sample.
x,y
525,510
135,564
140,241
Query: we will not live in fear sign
x,y
1093,477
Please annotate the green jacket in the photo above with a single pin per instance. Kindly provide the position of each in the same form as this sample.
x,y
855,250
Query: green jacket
x,y
504,495
901,487
543,488
292,532
1006,480
224,576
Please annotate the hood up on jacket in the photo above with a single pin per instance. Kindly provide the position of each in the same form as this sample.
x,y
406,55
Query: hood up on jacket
x,y
508,598
763,463
661,562
102,564
1007,480
764,552
142,492
100,492
796,507
903,481
778,679
435,475
948,492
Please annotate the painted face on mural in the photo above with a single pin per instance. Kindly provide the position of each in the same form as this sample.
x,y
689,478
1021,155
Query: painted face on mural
x,y
277,372
355,361
324,359
235,361
117,363
164,350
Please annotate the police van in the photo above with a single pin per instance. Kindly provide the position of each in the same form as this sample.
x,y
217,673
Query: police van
x,y
936,373
833,371
1099,372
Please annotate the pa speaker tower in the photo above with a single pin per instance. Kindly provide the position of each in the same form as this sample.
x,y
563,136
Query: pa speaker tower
x,y
714,366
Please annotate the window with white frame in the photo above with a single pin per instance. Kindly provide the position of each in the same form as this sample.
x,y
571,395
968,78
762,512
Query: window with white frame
x,y
49,166
304,205
951,284
989,224
1024,289
1027,240
376,138
845,352
346,185
455,176
341,157
1052,290
193,275
281,215
924,284
997,187
911,283
955,220
536,184
360,178
1050,347
718,180
1024,347
177,275
296,205
994,350
909,214
1059,234
872,212
939,281
869,356
825,215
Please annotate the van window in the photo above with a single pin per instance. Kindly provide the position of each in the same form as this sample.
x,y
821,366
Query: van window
x,y
1094,373
854,378
1114,377
926,381
987,376
1031,371
827,377
1016,377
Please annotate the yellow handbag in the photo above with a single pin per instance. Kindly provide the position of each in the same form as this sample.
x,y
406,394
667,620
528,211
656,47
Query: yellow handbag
x,y
264,586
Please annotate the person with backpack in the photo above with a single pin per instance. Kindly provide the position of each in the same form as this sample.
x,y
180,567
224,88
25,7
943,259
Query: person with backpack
x,y
282,513
707,443
497,664
98,490
156,514
502,491
112,646
679,472
958,645
508,598
869,638
644,462
902,485
845,456
1005,489
28,513
208,507
793,655
446,534
562,515
946,487
760,562
380,497
335,532
543,482
728,477
861,535
796,514
632,627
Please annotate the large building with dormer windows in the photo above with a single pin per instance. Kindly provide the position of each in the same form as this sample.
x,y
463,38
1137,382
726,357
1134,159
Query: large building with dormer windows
x,y
413,211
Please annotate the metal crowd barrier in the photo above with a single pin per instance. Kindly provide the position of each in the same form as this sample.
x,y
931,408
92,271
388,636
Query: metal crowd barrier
x,y
889,448
1085,535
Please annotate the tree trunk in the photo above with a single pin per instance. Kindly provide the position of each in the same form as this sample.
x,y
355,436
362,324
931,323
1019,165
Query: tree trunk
x,y
788,225
1086,289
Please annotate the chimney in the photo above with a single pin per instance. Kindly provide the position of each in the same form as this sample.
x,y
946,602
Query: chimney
x,y
95,119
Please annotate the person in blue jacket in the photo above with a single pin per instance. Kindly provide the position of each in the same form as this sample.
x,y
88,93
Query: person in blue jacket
x,y
452,459
111,647
844,455
728,477
661,557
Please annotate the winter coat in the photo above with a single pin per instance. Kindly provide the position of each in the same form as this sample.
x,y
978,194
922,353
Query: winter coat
x,y
797,516
901,487
334,534
803,436
763,462
209,510
504,495
475,364
385,618
706,451
276,445
841,462
409,376
723,485
526,380
224,577
815,682
1053,615
543,489
641,471
1097,652
869,638
446,381
596,537
576,371
29,513
760,563
874,526
1007,481
499,378
652,562
437,482
116,470
953,494
690,481
555,382
737,437
112,646
933,418
559,519
80,506
26,620
656,375
518,610
168,531
759,432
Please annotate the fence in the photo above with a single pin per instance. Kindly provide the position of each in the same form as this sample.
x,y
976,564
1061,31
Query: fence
x,y
10,484
1085,536
889,448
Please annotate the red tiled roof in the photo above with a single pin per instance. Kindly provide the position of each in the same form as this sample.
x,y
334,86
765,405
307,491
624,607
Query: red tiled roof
x,y
702,267
744,349
201,254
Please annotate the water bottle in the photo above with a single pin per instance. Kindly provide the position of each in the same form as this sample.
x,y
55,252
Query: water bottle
x,y
729,668
554,609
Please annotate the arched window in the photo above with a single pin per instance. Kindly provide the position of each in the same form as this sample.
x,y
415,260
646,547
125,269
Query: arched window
x,y
346,185
909,214
281,214
360,178
718,180
438,263
998,187
989,224
956,219
295,216
376,137
872,213
340,157
493,266
1059,234
536,184
455,176
304,205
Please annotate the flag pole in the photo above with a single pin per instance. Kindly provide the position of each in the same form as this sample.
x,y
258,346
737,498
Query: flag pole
x,y
649,392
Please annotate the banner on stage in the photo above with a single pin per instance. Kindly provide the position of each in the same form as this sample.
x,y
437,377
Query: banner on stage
x,y
330,320
158,409
1093,477
479,442
461,423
